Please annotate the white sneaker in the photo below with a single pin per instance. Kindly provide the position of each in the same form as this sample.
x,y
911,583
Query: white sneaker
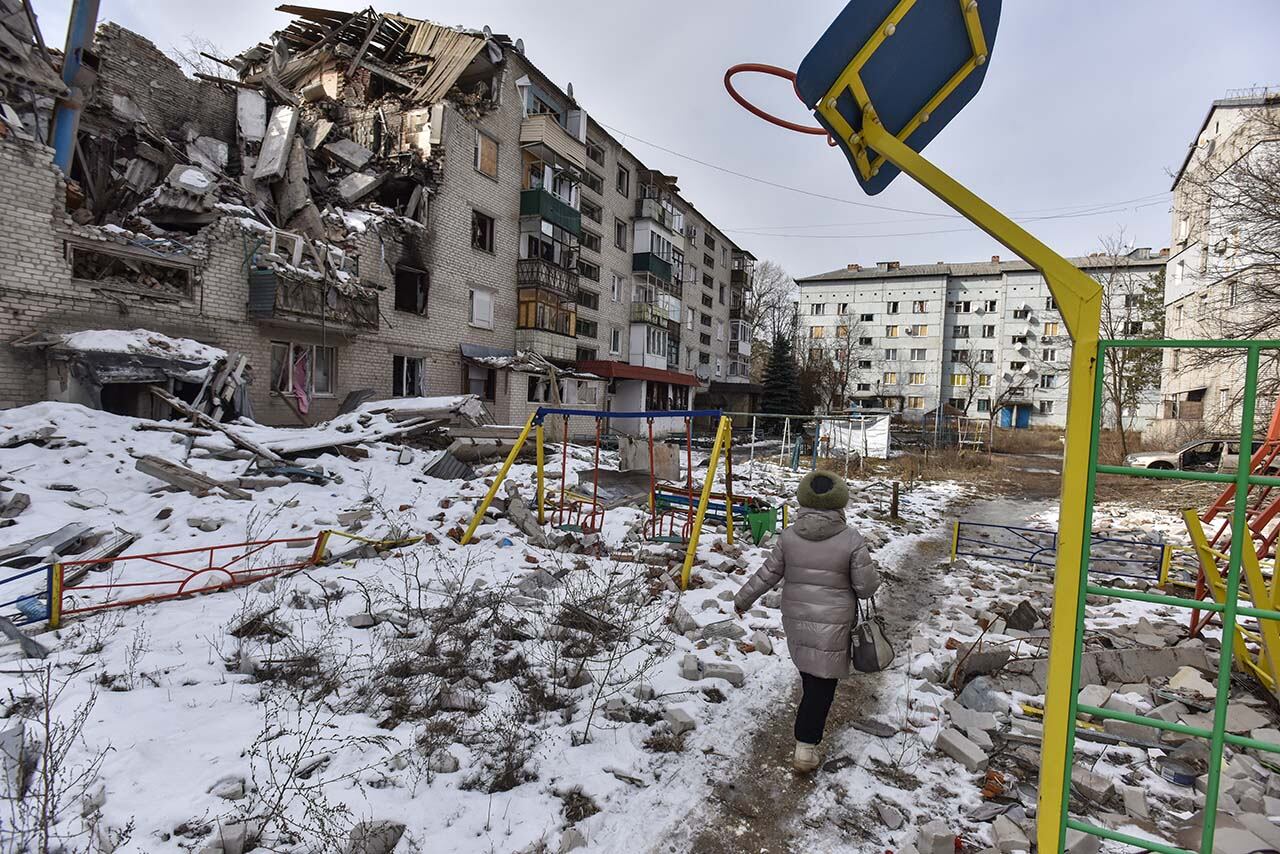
x,y
807,758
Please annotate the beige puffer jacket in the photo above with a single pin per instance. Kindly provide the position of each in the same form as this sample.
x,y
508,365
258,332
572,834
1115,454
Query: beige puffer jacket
x,y
827,568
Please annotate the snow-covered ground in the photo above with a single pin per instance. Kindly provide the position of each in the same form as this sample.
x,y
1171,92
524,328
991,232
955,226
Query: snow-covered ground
x,y
493,697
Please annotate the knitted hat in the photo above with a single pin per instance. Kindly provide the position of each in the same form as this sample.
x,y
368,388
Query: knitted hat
x,y
823,490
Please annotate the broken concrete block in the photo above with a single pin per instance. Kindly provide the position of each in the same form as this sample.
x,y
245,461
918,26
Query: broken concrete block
x,y
1261,827
273,157
374,837
982,663
350,154
724,629
762,642
362,621
1077,842
644,691
890,815
731,673
1008,836
358,185
683,620
953,743
1093,786
691,667
571,840
1023,618
1169,712
962,718
1191,680
982,695
14,505
443,762
251,114
1135,802
1094,695
980,737
936,838
679,720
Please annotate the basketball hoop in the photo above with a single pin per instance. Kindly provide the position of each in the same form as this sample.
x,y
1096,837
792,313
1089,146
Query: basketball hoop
x,y
773,71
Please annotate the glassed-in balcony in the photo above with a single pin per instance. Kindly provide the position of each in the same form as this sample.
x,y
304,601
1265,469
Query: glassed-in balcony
x,y
543,204
648,262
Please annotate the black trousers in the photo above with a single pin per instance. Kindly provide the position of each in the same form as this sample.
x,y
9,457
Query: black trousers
x,y
815,703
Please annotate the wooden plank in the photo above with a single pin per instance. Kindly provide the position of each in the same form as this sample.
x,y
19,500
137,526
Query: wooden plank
x,y
188,480
203,420
374,26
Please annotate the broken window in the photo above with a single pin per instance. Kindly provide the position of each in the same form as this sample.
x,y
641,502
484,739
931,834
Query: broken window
x,y
302,370
481,231
480,381
407,375
624,181
590,240
412,289
593,182
125,271
595,151
486,154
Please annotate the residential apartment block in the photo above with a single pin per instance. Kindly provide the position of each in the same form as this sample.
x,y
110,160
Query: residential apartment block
x,y
972,336
352,223
1212,266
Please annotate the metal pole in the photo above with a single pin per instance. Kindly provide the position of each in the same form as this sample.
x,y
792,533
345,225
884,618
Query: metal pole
x,y
653,486
542,487
726,424
696,529
497,481
66,112
751,463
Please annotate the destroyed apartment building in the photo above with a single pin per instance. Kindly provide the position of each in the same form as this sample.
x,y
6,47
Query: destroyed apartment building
x,y
367,205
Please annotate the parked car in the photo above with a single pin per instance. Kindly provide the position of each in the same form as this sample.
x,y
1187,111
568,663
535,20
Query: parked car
x,y
1214,455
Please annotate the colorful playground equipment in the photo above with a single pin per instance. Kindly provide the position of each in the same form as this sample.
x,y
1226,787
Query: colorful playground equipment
x,y
883,81
676,513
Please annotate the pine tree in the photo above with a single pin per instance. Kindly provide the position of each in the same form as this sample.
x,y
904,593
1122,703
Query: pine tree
x,y
780,394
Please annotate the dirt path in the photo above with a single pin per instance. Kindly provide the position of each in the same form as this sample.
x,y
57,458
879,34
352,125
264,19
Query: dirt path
x,y
755,811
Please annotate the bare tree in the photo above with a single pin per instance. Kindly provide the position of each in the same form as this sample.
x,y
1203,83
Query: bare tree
x,y
1132,308
828,364
771,302
976,366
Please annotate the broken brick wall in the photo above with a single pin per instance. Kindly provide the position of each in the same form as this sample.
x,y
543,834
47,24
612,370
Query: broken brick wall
x,y
132,65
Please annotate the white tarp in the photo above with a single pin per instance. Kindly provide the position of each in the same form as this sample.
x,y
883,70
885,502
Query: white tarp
x,y
863,434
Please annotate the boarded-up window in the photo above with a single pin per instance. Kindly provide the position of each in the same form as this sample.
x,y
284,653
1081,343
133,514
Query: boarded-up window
x,y
486,154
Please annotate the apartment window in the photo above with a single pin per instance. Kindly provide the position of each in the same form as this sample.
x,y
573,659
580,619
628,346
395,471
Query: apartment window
x,y
816,331
1021,313
1017,366
1232,292
864,364
842,308
617,290
722,294
955,402
988,331
866,318
1174,359
707,281
918,329
891,332
1224,400
588,299
984,380
1050,304
989,305
481,231
588,354
620,233
407,377
890,377
818,308
303,370
892,308
864,386
704,358
1049,355
1018,340
1048,381
587,270
615,341
480,307
688,319
842,332
914,402
919,306
412,289
704,339
708,240
708,261
864,342
1046,407
719,330
915,378
1177,314
623,182
918,354
707,301
480,381
1184,227
984,404
963,307
539,390
590,240
1133,327
486,161
595,151
891,355
590,210
987,357
593,182
959,356
586,328
960,380
959,332
1051,328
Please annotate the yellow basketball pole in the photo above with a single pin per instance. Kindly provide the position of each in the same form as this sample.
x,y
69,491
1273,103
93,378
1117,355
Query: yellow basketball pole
x,y
692,551
1079,300
542,516
497,481
728,482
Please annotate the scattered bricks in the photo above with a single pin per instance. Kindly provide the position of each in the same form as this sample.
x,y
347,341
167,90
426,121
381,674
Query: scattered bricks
x,y
953,743
762,642
691,667
1008,836
890,815
981,663
982,695
731,673
1093,786
1078,842
683,620
962,718
980,737
1094,695
1130,731
644,691
1169,712
1135,802
679,720
937,838
1191,681
724,629
1023,618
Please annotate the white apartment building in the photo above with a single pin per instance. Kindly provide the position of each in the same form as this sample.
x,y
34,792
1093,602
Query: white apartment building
x,y
971,336
1211,266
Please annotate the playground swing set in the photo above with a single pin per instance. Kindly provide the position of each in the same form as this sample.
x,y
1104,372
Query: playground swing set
x,y
676,512
883,81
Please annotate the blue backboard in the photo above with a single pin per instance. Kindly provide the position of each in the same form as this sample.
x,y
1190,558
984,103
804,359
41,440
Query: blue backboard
x,y
915,62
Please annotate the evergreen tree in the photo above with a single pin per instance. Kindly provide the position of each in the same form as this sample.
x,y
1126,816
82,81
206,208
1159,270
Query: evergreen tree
x,y
780,394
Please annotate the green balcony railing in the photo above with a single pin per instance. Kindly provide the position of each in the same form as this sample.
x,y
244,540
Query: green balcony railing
x,y
553,210
647,262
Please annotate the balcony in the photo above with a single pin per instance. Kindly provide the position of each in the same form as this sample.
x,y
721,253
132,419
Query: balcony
x,y
308,303
537,273
543,131
647,262
739,369
553,345
653,315
541,203
740,278
653,209
736,311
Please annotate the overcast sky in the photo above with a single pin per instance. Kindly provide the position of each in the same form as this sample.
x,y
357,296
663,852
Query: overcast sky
x,y
1087,106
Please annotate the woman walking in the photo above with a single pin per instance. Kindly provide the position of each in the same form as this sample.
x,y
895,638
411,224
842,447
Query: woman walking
x,y
827,568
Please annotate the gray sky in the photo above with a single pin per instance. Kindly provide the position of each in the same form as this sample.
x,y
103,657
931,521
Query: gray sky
x,y
1087,106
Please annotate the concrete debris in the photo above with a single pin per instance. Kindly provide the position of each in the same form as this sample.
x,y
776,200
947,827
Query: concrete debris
x,y
936,838
231,788
1095,696
1104,667
443,762
362,621
963,718
1190,680
731,673
953,743
571,840
374,837
762,642
980,663
1078,842
1008,836
1023,618
679,720
724,629
889,814
1093,786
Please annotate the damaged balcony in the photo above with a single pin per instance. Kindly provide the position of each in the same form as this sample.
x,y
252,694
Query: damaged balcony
x,y
543,134
310,303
